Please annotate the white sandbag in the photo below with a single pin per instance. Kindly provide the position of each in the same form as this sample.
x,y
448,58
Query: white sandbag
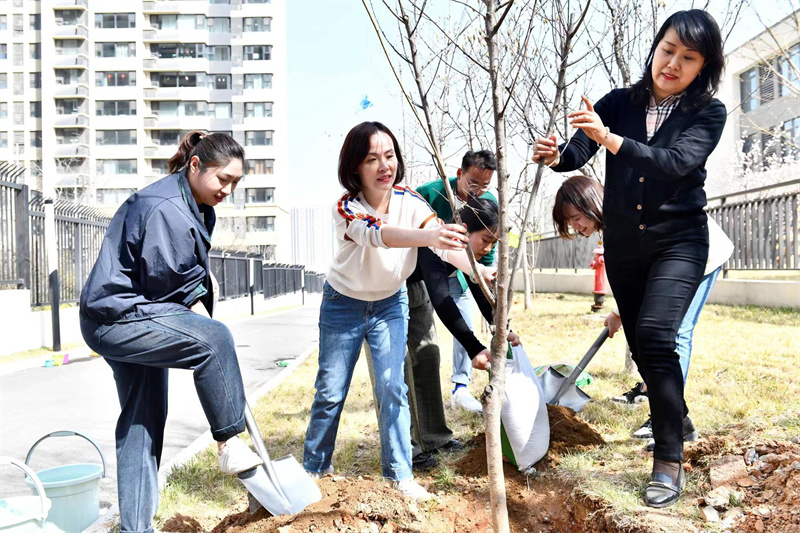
x,y
524,414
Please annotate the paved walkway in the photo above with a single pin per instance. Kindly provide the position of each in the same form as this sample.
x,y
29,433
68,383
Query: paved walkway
x,y
81,396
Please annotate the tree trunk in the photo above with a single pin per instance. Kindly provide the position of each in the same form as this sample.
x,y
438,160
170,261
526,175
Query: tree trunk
x,y
493,394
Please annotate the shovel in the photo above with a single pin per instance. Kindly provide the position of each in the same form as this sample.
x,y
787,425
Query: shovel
x,y
560,390
281,486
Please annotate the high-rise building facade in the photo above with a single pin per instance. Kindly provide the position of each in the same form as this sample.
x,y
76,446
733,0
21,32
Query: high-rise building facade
x,y
313,239
95,94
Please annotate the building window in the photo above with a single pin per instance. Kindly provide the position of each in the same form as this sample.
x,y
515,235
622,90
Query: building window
x,y
258,109
258,138
261,166
3,51
70,136
36,80
3,109
35,50
258,81
3,139
18,54
68,17
68,106
178,109
219,110
257,2
219,53
258,52
219,25
167,137
115,79
35,20
115,107
789,69
3,80
748,89
113,196
262,195
118,137
178,22
36,168
36,139
115,20
68,47
260,223
115,49
116,166
36,110
69,76
257,24
790,141
3,22
766,87
159,166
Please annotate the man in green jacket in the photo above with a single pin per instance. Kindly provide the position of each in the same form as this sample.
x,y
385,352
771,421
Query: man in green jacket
x,y
472,179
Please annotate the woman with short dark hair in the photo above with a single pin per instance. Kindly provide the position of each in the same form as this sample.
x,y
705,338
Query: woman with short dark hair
x,y
658,135
379,225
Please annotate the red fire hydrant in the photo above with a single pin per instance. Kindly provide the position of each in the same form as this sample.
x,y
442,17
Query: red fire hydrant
x,y
598,264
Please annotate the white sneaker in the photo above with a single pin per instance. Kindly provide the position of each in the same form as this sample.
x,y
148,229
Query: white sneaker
x,y
463,399
411,489
322,474
236,457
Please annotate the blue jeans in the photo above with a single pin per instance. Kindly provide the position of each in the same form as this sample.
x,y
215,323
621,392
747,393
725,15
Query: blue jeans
x,y
140,354
462,364
683,342
344,323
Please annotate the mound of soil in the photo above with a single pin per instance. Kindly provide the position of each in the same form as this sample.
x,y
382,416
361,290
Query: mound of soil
x,y
772,503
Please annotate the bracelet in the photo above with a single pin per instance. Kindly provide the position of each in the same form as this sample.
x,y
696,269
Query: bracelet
x,y
608,131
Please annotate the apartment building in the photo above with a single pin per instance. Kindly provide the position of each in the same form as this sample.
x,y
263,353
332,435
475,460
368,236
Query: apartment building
x,y
95,94
761,89
313,238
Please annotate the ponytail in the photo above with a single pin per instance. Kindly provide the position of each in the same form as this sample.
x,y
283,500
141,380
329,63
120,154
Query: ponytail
x,y
212,149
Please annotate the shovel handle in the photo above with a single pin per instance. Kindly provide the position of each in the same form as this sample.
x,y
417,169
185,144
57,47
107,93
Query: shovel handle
x,y
573,377
261,449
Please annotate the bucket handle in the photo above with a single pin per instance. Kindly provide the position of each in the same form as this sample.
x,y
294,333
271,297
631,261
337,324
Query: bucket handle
x,y
67,434
38,484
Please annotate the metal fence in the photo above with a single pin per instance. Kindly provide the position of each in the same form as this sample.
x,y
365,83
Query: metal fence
x,y
79,235
765,233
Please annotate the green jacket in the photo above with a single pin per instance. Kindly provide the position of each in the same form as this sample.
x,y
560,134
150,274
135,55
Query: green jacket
x,y
434,194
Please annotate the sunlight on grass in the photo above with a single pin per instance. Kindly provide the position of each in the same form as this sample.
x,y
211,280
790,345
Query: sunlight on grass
x,y
743,382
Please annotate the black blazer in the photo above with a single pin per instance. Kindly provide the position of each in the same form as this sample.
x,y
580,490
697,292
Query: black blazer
x,y
654,186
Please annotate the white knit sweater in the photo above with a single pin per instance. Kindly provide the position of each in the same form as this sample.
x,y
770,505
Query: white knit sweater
x,y
364,268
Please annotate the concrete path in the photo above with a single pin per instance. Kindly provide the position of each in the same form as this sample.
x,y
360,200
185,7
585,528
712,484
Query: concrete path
x,y
81,397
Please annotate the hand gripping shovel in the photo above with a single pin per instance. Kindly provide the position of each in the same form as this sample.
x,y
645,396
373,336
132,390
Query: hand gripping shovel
x,y
560,390
281,486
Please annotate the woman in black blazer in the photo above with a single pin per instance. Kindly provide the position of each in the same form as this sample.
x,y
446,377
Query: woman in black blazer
x,y
658,135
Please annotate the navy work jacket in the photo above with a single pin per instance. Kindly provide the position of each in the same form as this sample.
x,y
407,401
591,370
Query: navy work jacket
x,y
154,256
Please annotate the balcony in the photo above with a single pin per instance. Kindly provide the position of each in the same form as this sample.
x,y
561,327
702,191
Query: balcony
x,y
76,120
177,122
157,151
71,32
75,179
71,61
176,64
72,90
174,7
177,93
70,4
72,150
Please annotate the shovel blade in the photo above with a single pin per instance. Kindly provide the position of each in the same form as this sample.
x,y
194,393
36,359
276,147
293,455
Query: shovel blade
x,y
297,485
574,397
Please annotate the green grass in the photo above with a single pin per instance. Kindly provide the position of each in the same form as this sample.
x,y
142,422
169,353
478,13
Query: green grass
x,y
743,382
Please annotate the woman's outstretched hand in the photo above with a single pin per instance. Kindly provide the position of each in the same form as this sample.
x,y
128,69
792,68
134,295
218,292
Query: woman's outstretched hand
x,y
448,237
589,121
546,150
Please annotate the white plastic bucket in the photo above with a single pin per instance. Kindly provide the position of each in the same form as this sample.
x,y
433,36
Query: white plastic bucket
x,y
24,514
72,489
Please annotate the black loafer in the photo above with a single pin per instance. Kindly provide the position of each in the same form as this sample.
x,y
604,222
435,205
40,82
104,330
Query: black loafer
x,y
661,491
451,446
423,461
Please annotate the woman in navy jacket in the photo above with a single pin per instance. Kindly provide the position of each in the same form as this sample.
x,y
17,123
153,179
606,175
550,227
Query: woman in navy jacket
x,y
658,135
146,308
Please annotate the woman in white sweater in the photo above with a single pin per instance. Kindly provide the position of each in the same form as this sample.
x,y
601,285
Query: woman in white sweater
x,y
378,226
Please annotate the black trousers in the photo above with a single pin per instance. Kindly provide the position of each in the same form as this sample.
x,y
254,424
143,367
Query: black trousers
x,y
654,278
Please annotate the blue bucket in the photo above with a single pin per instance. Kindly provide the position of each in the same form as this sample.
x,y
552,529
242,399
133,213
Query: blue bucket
x,y
72,489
